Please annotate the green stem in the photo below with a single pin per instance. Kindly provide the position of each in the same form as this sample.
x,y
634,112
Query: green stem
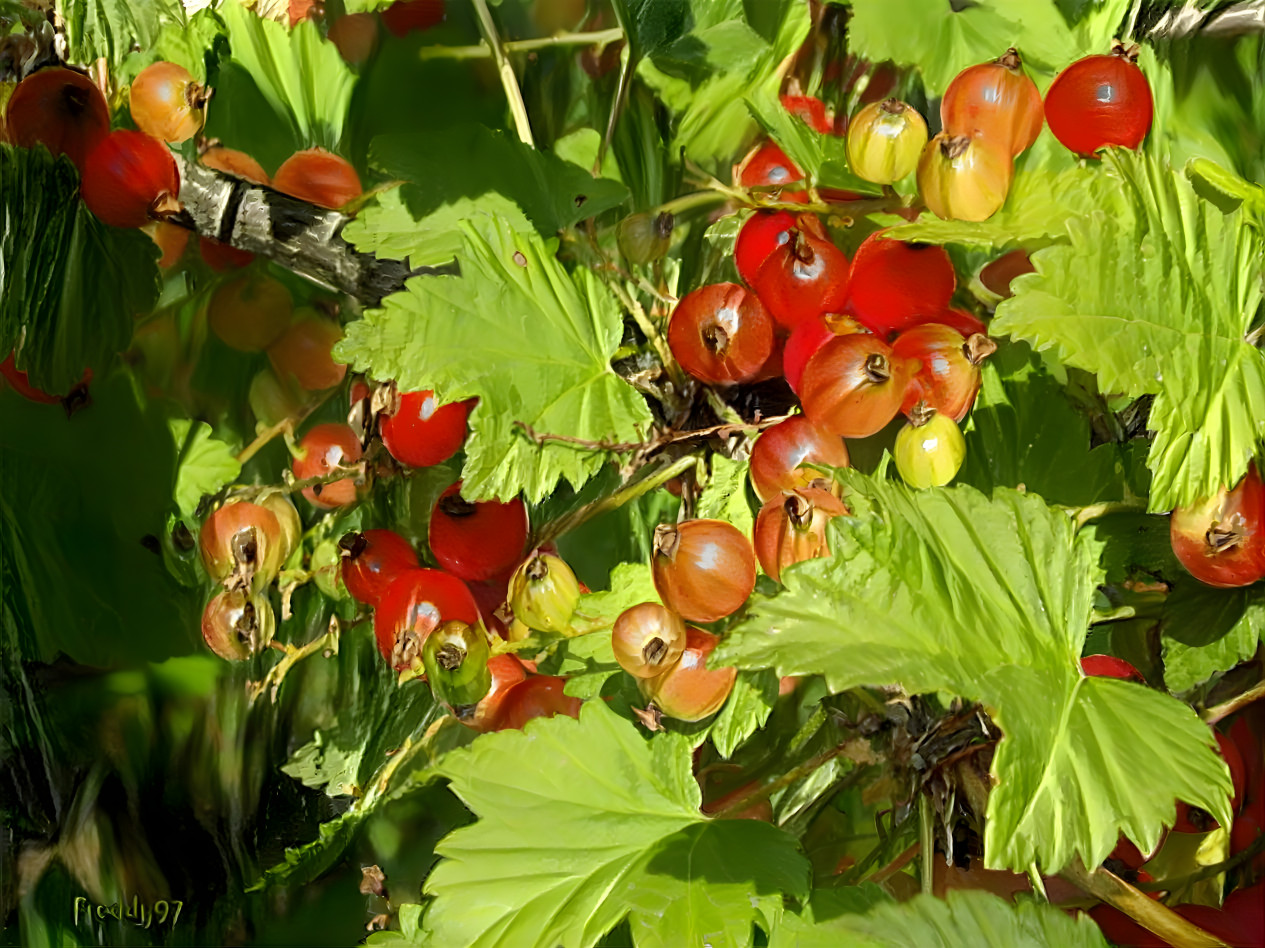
x,y
926,841
1207,872
621,91
616,500
1084,515
481,51
1226,708
788,778
1038,884
687,202
509,82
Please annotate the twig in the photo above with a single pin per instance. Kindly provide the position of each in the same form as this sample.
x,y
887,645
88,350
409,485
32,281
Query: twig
x,y
723,429
1226,708
481,51
272,680
621,91
767,790
1207,872
1148,913
896,865
509,82
281,427
615,447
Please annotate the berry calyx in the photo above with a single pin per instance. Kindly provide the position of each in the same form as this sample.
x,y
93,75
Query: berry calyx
x,y
689,690
130,178
477,540
1099,101
780,453
703,570
167,102
60,109
324,449
544,592
930,449
372,561
791,527
1221,540
964,178
421,432
721,334
237,625
853,386
319,177
894,285
647,639
996,100
416,603
884,141
241,545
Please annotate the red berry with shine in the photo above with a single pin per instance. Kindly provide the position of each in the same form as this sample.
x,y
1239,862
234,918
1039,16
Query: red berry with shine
x,y
372,561
949,377
703,570
477,540
60,109
780,453
413,606
803,278
536,696
1108,666
318,177
324,448
1099,101
128,177
763,233
854,385
422,433
894,285
721,334
996,100
1221,540
791,528
768,166
811,111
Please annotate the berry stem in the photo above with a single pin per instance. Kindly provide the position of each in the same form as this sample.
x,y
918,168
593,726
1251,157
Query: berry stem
x,y
481,51
926,844
617,104
1219,711
509,82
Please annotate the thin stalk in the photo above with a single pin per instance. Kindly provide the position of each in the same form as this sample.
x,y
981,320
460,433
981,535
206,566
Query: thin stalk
x,y
621,91
687,202
1207,872
788,778
926,841
481,51
1226,708
1038,884
896,865
509,82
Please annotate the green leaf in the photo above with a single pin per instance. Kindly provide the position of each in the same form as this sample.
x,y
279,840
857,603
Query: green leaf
x,y
320,764
110,29
389,227
302,79
725,496
69,285
188,44
205,464
1023,430
990,599
611,826
1159,301
745,711
470,161
941,38
978,919
531,342
1206,631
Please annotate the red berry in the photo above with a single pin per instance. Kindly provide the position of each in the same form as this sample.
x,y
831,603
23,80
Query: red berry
x,y
416,603
1099,101
965,323
356,37
129,176
167,102
689,690
996,100
1000,273
803,278
318,177
853,386
422,433
237,624
703,569
477,540
1221,540
811,111
18,381
222,257
507,671
373,560
768,166
791,528
893,285
242,541
1191,819
325,448
721,334
405,16
780,453
304,352
807,338
949,377
763,233
237,163
536,696
250,312
60,109
1108,666
647,639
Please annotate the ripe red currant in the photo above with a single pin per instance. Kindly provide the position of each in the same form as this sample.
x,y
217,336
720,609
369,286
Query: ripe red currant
x,y
807,338
689,690
237,163
356,37
811,111
647,639
949,376
477,540
781,451
791,528
303,351
536,696
763,233
803,278
884,141
318,177
506,671
703,569
853,386
128,178
405,16
60,109
171,240
1221,540
18,382
894,285
1108,666
416,603
250,312
167,102
996,100
721,334
421,432
372,561
240,543
768,166
325,448
964,178
1098,101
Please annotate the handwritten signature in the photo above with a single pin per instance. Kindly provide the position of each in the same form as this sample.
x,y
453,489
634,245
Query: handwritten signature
x,y
138,913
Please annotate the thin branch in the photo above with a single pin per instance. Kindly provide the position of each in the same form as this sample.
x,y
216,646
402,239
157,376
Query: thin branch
x,y
1207,872
481,51
1226,708
617,105
509,82
767,790
1147,912
926,840
896,865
